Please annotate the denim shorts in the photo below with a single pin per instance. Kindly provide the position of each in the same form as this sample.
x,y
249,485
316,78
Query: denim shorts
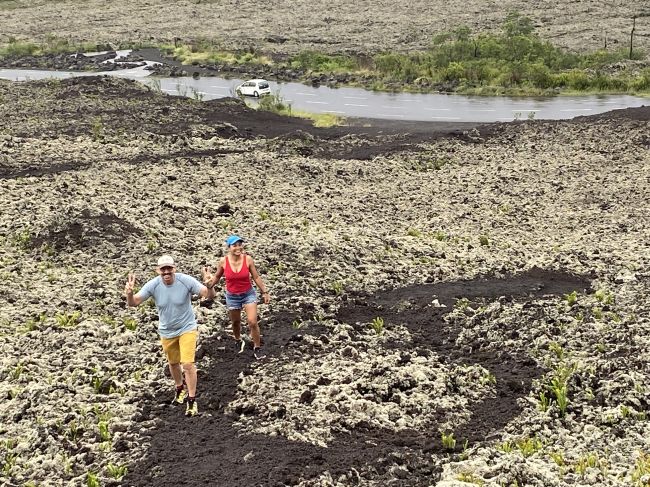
x,y
237,301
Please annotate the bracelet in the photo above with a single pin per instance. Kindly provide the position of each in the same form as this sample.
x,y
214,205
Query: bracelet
x,y
265,292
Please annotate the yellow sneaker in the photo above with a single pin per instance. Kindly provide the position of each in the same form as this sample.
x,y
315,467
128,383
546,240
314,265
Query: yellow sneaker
x,y
181,396
191,409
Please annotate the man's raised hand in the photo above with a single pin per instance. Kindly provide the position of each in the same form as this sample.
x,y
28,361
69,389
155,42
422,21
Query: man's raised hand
x,y
130,284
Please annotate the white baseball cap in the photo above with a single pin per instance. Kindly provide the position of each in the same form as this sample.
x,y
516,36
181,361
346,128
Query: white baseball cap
x,y
166,261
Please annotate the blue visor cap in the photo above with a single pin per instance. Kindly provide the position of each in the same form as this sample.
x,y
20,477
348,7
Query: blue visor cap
x,y
233,239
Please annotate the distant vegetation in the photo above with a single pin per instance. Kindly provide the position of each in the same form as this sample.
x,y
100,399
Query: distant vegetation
x,y
513,62
53,45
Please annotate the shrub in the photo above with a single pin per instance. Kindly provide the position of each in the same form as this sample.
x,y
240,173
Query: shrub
x,y
314,61
274,103
17,48
641,82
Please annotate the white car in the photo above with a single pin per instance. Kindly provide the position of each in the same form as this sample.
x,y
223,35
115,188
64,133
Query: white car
x,y
254,87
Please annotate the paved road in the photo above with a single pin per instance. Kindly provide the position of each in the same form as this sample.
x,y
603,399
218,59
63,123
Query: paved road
x,y
354,102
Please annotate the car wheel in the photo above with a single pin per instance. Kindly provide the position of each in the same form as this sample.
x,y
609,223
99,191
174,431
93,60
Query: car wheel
x,y
256,94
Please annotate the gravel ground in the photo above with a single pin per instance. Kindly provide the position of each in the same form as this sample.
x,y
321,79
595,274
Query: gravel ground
x,y
508,263
286,27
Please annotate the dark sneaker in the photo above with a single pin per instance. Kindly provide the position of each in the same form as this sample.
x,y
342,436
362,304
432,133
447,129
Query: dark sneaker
x,y
258,353
240,345
191,409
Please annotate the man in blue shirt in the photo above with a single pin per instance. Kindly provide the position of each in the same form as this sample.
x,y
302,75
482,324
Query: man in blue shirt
x,y
172,292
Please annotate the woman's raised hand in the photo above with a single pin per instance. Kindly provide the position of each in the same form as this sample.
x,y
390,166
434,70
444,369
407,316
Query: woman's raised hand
x,y
207,276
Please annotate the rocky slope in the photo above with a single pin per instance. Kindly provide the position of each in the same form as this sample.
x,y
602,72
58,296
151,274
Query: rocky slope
x,y
425,287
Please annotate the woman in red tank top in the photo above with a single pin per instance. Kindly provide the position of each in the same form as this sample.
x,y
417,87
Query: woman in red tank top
x,y
238,269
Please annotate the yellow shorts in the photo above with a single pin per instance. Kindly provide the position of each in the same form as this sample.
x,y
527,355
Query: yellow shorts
x,y
180,349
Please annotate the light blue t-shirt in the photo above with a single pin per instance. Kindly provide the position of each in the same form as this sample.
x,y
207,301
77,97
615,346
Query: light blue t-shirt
x,y
174,303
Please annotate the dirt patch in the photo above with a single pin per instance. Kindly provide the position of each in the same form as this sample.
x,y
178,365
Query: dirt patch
x,y
84,230
13,172
270,461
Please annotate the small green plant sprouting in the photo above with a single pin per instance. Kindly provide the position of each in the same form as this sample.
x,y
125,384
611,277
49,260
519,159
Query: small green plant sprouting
x,y
18,370
66,319
528,446
97,129
461,304
297,324
604,297
152,245
488,378
130,323
35,323
440,236
616,318
23,239
557,349
448,441
597,313
378,325
505,208
625,411
465,453
10,457
116,471
74,431
108,319
544,402
414,232
589,460
104,432
559,389
641,469
571,298
440,162
506,446
263,215
484,240
558,458
97,384
92,480
559,386
337,287
470,478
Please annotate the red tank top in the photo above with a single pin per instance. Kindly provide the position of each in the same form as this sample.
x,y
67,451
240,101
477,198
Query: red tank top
x,y
237,282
